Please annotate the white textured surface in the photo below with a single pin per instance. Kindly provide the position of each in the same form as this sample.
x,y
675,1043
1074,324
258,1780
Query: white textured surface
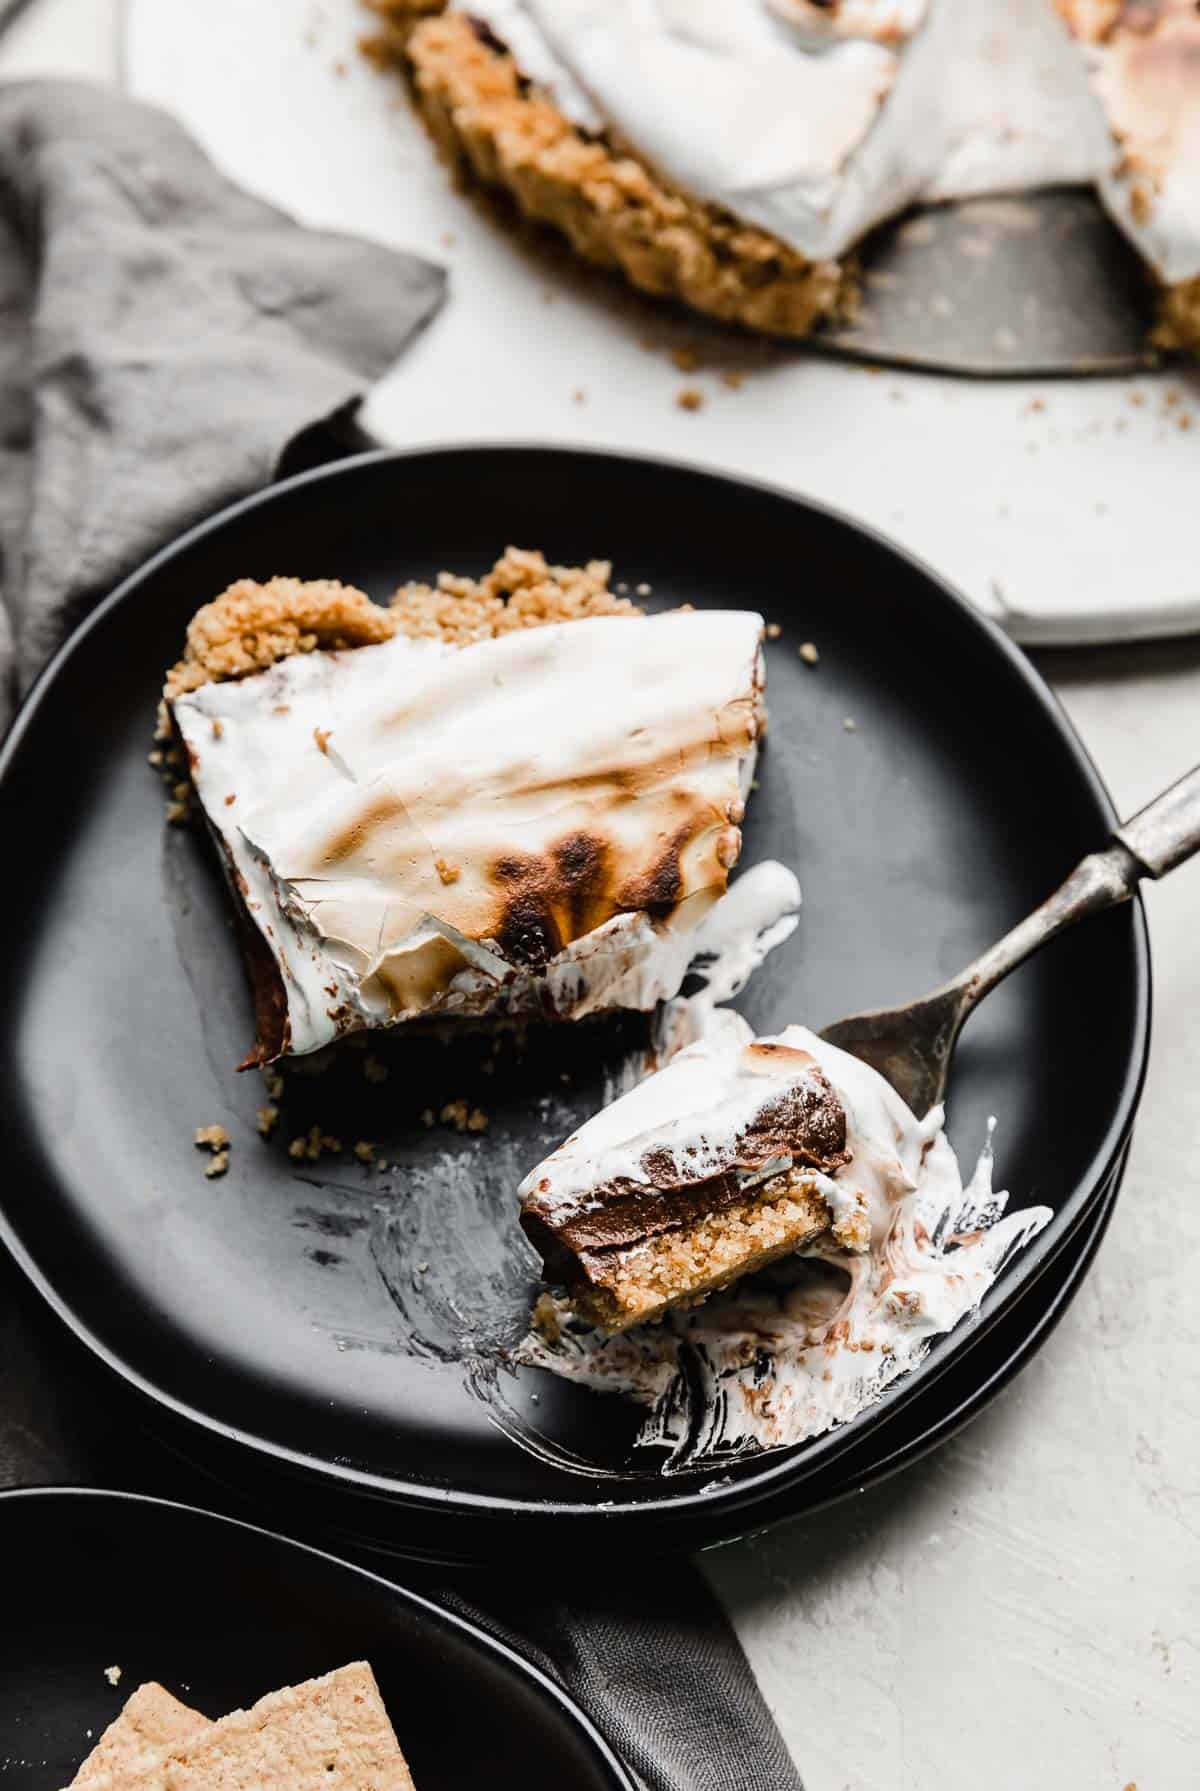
x,y
1078,514
1021,1610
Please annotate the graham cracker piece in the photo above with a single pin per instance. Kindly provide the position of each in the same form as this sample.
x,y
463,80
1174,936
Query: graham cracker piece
x,y
330,1734
150,1721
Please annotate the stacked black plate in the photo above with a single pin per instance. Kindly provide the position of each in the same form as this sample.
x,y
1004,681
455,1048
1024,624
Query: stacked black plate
x,y
277,1322
224,1613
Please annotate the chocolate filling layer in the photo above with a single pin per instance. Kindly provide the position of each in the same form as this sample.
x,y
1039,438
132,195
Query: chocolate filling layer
x,y
806,1126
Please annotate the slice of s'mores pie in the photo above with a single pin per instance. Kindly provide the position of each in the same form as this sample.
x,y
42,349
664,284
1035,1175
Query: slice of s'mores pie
x,y
329,1734
539,822
740,1151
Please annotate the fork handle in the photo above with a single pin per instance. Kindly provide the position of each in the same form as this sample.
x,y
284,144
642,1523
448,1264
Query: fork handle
x,y
1167,830
1158,837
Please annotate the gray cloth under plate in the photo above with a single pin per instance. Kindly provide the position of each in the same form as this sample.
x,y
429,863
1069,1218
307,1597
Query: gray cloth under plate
x,y
163,337
165,341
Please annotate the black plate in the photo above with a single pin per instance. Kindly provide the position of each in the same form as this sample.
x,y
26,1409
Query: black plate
x,y
221,1613
288,1314
942,1407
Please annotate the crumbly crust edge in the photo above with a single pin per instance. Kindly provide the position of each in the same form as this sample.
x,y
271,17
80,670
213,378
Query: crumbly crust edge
x,y
491,125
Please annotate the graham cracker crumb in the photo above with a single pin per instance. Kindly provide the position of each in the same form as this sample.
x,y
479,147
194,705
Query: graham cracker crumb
x,y
773,631
520,591
267,1118
683,1266
364,1151
217,1164
690,398
321,736
733,379
808,653
274,1083
686,358
462,1116
113,1675
311,1145
211,1138
177,813
250,626
449,873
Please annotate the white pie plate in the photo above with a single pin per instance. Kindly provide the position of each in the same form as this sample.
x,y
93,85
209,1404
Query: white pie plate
x,y
1063,508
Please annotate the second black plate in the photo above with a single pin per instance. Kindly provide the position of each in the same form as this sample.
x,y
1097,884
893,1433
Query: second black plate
x,y
221,1613
286,1309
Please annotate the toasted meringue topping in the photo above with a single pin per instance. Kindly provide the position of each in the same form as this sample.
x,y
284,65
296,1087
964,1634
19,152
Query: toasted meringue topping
x,y
820,22
1145,66
420,829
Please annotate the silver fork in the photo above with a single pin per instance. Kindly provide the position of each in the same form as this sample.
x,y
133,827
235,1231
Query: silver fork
x,y
912,1045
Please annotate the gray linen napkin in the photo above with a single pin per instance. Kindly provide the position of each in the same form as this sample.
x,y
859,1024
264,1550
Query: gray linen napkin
x,y
166,342
163,337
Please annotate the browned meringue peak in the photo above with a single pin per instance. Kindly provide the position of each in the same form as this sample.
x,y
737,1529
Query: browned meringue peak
x,y
1144,57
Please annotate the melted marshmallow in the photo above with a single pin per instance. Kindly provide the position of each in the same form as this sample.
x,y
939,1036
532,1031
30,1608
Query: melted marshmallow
x,y
809,1344
1146,76
818,122
418,829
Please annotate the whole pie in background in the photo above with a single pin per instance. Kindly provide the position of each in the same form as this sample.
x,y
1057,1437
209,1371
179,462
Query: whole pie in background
x,y
732,154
